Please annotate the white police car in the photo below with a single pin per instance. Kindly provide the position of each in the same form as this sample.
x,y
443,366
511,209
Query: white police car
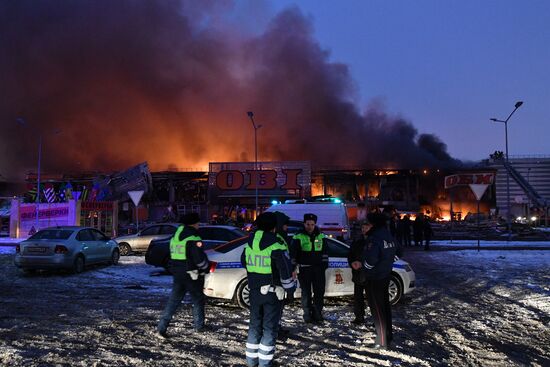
x,y
227,278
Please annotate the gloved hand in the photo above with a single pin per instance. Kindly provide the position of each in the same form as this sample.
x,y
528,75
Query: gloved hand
x,y
193,274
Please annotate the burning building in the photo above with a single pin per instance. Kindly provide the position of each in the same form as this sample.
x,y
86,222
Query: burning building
x,y
170,83
163,82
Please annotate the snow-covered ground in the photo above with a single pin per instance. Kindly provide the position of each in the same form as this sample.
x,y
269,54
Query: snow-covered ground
x,y
487,308
489,244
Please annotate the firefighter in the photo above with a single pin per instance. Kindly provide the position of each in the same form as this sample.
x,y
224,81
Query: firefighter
x,y
269,273
379,255
308,252
188,266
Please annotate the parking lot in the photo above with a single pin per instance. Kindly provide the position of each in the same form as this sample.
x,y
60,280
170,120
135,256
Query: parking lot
x,y
469,308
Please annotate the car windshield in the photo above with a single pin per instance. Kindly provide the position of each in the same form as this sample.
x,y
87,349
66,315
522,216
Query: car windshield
x,y
230,246
239,232
52,234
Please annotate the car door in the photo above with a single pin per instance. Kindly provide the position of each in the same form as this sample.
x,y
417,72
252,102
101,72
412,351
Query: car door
x,y
145,237
167,231
338,275
103,246
88,245
215,236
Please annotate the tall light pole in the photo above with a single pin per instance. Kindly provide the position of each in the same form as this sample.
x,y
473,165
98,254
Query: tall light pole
x,y
256,127
23,122
508,214
528,197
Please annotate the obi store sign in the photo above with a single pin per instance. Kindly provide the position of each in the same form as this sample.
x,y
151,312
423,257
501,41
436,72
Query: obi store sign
x,y
258,179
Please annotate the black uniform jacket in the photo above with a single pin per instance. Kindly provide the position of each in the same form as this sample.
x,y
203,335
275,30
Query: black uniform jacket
x,y
281,267
196,258
379,253
356,253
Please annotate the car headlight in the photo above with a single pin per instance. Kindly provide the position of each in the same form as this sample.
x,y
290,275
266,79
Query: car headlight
x,y
408,268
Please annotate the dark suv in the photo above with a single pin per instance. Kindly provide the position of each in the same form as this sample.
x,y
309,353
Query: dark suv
x,y
158,252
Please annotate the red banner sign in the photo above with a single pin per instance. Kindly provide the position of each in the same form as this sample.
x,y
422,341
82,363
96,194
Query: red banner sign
x,y
97,205
469,179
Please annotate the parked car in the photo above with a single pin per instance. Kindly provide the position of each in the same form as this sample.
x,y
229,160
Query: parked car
x,y
67,247
293,227
227,278
158,253
139,242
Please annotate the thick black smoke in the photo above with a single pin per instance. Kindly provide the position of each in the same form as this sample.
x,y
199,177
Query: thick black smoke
x,y
169,82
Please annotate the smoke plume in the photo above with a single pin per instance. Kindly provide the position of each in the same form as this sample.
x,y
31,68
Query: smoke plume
x,y
170,82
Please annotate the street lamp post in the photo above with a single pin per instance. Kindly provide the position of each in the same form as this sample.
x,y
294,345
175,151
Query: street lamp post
x,y
508,216
528,197
23,122
256,127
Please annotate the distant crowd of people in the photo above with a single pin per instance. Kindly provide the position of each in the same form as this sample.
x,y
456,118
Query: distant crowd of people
x,y
401,229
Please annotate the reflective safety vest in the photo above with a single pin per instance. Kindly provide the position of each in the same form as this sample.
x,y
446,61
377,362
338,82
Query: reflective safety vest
x,y
259,261
282,240
178,249
305,242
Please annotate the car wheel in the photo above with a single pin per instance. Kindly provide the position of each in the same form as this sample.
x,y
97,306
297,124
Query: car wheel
x,y
78,266
115,256
243,294
125,249
395,289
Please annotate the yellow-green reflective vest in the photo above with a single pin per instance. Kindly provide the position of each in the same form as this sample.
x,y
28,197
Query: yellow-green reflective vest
x,y
305,242
178,249
282,240
259,261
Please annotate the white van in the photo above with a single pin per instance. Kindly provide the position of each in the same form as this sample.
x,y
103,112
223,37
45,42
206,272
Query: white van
x,y
332,218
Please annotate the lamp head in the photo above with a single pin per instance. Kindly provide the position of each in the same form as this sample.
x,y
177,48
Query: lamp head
x,y
250,114
518,104
494,119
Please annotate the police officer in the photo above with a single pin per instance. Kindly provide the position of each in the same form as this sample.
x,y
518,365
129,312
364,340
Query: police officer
x,y
282,234
308,251
269,272
188,265
379,256
355,260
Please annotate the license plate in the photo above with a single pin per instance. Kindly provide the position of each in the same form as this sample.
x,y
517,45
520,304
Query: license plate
x,y
36,250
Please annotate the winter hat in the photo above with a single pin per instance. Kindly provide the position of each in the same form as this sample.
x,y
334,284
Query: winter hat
x,y
282,219
310,216
191,218
266,221
377,219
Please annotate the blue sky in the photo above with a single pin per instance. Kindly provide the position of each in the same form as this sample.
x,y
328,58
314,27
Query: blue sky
x,y
447,66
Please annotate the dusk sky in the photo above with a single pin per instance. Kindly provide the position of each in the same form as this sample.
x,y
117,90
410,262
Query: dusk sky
x,y
447,66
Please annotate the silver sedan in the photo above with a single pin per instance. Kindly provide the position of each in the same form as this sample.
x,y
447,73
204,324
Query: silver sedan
x,y
67,247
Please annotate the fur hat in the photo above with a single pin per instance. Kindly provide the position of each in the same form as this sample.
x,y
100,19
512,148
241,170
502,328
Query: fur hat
x,y
377,219
266,221
191,218
310,216
282,219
